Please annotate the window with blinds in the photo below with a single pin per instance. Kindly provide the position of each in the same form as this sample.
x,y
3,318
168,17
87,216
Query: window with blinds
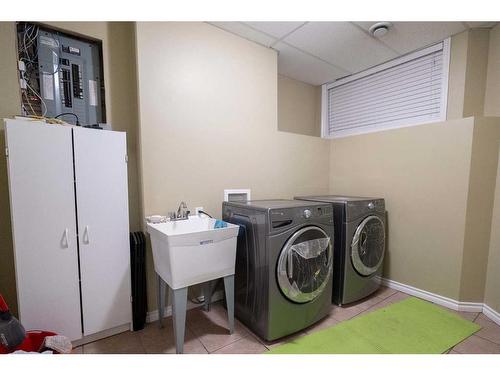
x,y
406,91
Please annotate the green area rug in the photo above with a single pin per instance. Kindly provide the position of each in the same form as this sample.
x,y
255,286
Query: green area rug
x,y
411,326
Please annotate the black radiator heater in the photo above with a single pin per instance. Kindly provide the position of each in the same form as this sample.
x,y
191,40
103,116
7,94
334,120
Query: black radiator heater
x,y
138,272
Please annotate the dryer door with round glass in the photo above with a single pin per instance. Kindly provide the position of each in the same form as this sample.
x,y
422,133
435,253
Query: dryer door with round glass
x,y
368,245
305,264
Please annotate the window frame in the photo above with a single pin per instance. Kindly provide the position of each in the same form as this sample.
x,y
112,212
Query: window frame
x,y
443,45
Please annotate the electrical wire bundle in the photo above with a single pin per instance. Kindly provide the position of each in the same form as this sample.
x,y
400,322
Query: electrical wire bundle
x,y
33,104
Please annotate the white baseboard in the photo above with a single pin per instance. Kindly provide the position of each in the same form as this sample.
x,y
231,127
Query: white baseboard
x,y
103,334
492,314
432,297
152,316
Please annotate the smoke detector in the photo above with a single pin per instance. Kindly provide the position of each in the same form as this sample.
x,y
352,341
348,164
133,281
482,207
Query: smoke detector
x,y
379,29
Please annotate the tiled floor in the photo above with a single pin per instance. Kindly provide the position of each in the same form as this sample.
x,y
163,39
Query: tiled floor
x,y
206,332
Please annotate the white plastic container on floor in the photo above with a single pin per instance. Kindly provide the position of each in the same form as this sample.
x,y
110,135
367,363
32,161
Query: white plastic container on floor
x,y
192,251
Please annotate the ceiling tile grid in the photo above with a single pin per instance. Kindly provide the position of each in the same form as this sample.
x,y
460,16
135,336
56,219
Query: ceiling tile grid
x,y
341,44
406,37
240,29
301,66
276,29
320,52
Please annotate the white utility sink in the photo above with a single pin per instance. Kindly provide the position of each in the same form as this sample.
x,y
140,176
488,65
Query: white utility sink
x,y
192,251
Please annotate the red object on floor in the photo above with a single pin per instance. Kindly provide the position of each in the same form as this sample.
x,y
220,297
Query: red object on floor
x,y
32,343
3,305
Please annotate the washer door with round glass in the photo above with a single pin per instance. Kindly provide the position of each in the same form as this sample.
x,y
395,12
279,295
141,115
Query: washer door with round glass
x,y
368,246
305,264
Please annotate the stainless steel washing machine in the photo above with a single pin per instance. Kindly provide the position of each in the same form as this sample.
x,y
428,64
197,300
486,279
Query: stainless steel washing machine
x,y
360,232
283,276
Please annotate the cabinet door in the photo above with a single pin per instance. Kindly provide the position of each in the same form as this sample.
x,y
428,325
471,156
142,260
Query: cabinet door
x,y
41,184
103,228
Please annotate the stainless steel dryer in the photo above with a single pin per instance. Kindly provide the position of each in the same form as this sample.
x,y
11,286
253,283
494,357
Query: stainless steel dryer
x,y
283,279
359,245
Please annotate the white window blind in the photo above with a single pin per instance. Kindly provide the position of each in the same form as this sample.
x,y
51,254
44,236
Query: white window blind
x,y
406,91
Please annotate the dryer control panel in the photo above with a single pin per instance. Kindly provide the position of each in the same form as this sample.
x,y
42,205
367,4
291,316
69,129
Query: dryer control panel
x,y
357,209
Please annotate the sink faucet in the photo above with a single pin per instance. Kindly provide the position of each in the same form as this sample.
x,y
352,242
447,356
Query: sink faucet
x,y
181,214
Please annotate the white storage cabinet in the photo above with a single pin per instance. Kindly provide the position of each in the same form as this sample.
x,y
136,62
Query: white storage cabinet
x,y
69,210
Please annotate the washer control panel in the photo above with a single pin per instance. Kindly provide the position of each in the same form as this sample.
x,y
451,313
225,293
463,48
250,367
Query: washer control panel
x,y
284,218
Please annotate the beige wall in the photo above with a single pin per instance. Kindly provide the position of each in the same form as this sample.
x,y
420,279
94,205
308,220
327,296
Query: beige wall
x,y
299,107
124,106
492,108
492,289
492,97
480,198
121,112
423,174
439,182
467,73
477,63
208,121
456,75
10,103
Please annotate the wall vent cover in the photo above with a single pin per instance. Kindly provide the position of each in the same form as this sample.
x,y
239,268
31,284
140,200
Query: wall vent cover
x,y
236,195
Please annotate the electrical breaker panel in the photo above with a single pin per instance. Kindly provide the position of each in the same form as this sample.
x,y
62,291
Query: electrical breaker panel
x,y
69,76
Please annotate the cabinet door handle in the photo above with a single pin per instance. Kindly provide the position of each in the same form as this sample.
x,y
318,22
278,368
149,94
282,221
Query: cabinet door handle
x,y
65,239
86,237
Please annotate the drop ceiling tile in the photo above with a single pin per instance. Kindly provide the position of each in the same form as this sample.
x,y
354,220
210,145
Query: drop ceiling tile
x,y
277,29
239,28
303,67
405,37
484,24
342,44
